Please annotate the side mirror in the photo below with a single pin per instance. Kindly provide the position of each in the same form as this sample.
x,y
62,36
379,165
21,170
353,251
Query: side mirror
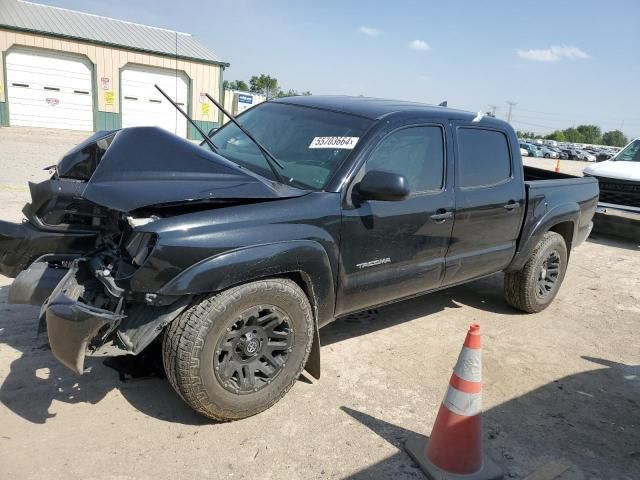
x,y
212,131
383,186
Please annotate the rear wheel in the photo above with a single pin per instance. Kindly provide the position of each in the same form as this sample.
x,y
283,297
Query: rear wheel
x,y
238,352
533,288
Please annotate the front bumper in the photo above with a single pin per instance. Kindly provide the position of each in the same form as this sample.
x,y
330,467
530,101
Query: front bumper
x,y
22,243
71,323
618,220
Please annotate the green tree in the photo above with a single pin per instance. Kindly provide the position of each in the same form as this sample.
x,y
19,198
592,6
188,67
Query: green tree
x,y
558,136
614,138
292,93
523,134
573,135
264,84
236,85
590,133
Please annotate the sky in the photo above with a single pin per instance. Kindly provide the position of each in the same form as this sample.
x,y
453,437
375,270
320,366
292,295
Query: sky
x,y
563,63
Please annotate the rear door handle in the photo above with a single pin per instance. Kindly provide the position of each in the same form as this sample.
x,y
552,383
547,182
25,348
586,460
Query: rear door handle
x,y
442,217
511,205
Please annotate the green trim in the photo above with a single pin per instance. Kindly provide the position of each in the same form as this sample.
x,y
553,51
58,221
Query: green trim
x,y
4,114
4,76
115,45
108,121
192,133
94,81
4,106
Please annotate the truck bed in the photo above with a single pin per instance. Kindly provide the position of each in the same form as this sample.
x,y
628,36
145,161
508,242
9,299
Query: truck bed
x,y
553,197
533,173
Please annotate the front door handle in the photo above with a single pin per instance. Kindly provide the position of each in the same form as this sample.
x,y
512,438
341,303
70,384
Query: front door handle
x,y
511,205
441,217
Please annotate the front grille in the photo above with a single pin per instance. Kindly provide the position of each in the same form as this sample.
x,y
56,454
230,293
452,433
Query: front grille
x,y
619,192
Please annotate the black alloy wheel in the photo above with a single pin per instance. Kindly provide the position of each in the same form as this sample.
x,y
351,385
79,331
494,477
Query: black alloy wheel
x,y
548,274
254,350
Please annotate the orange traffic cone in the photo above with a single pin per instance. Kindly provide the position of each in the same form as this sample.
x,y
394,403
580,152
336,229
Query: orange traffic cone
x,y
557,169
455,447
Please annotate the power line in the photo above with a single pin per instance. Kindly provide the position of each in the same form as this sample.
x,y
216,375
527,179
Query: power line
x,y
511,105
535,125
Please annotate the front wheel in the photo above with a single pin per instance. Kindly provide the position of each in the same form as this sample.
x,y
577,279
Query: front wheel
x,y
533,288
236,353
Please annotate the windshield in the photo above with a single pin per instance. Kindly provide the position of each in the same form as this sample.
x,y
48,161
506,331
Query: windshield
x,y
297,138
630,154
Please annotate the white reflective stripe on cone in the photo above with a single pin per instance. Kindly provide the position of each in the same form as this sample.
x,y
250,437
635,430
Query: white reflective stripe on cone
x,y
469,365
461,403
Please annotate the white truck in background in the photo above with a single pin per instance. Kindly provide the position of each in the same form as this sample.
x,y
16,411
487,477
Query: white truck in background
x,y
619,179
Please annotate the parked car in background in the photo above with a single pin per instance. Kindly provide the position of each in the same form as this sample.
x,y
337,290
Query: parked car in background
x,y
547,152
586,156
523,152
603,155
532,151
561,154
571,153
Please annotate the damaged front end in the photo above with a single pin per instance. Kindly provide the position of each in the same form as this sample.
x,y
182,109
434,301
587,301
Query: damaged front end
x,y
87,250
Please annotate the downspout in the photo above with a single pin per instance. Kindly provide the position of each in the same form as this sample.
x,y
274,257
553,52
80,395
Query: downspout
x,y
221,93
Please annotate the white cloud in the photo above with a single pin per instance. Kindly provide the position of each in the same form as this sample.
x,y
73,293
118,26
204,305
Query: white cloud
x,y
553,53
419,45
369,31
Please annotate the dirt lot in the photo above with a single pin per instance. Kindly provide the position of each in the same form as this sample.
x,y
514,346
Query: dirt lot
x,y
561,388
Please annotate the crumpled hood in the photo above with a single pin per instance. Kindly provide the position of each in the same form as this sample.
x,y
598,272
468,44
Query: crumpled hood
x,y
615,169
148,166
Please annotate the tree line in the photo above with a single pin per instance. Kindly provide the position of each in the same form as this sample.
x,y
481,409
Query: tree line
x,y
264,85
582,134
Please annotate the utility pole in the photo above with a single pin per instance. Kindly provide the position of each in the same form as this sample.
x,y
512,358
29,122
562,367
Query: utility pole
x,y
511,105
493,110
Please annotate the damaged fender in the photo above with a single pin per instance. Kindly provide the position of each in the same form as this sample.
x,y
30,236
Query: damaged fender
x,y
305,257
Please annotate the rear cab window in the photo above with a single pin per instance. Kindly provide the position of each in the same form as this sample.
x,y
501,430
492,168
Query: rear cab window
x,y
484,157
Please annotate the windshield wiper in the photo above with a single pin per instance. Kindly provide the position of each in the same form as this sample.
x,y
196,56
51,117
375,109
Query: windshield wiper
x,y
205,137
271,160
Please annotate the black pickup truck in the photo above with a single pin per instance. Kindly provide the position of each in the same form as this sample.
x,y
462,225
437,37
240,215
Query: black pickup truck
x,y
234,253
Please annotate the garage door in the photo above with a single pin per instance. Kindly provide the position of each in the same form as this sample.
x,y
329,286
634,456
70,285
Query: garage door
x,y
142,104
49,90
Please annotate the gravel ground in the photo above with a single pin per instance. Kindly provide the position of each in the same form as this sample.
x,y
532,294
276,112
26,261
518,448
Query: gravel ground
x,y
561,388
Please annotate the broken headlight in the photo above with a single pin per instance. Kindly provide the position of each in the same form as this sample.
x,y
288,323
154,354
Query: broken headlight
x,y
139,246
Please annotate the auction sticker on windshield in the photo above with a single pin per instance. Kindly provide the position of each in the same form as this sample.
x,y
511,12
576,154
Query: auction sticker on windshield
x,y
346,143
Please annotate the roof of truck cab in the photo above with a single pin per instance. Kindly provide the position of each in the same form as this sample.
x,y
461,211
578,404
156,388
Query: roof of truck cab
x,y
372,108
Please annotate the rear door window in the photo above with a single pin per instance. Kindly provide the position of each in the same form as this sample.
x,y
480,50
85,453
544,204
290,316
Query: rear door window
x,y
484,158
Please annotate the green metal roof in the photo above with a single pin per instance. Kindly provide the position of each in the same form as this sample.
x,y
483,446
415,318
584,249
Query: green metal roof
x,y
60,22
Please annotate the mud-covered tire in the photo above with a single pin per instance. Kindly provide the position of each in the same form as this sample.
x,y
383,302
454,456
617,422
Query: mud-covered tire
x,y
192,341
522,287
